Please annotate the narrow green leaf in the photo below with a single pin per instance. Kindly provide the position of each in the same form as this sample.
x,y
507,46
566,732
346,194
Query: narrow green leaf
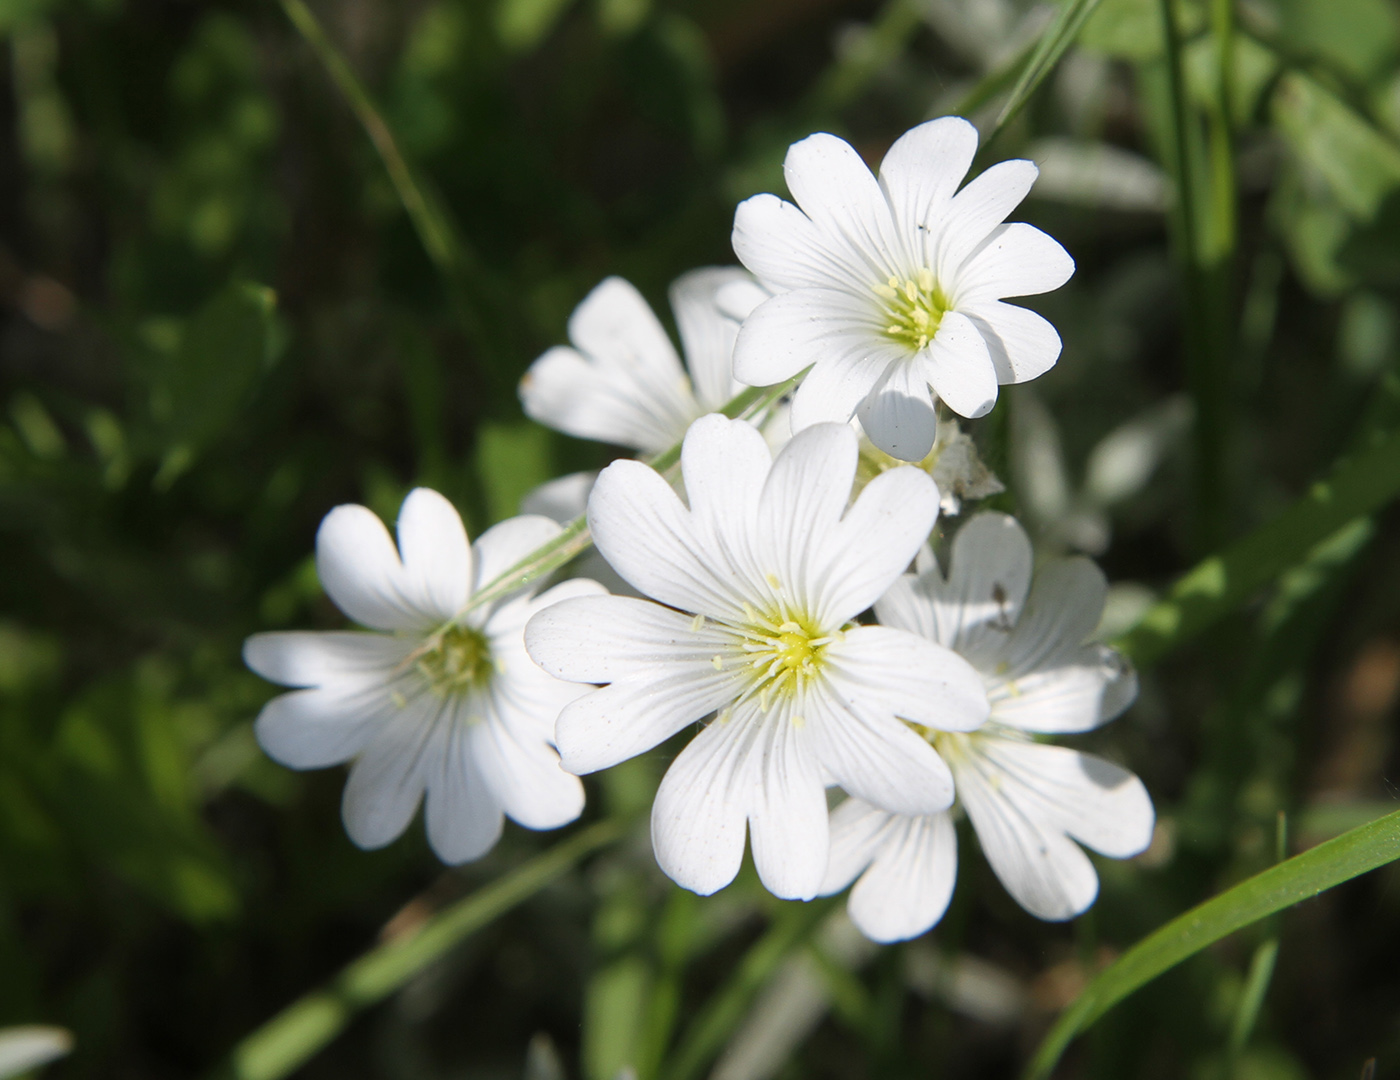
x,y
291,1037
1279,887
1053,43
1358,485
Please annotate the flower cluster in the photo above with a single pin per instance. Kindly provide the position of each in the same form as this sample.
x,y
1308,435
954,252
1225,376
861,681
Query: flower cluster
x,y
763,591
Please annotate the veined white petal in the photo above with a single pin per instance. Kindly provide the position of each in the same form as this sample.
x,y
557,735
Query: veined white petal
x,y
641,527
910,882
698,818
875,542
361,571
787,818
310,729
858,831
1062,610
793,330
437,558
464,819
707,332
785,250
737,299
1098,803
522,771
1015,260
387,780
504,544
875,757
629,717
978,209
898,412
893,672
1074,691
1040,866
836,189
601,639
581,396
835,387
561,499
1022,344
341,660
960,368
924,167
725,463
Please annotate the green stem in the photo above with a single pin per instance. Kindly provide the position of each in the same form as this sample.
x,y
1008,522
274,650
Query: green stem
x,y
709,1031
1299,878
1261,965
1049,48
299,1031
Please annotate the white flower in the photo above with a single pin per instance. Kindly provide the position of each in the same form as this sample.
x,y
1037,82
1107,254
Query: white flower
x,y
894,286
761,575
1028,801
437,701
622,382
954,464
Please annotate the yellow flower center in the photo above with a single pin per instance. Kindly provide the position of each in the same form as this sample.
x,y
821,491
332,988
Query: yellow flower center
x,y
783,652
913,308
459,661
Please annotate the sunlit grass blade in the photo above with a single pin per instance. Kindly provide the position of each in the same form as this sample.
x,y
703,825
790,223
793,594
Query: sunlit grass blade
x,y
291,1037
722,1013
1053,43
1279,887
1217,586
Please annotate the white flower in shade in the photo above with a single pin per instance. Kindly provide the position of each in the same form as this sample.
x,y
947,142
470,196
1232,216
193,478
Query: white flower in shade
x,y
761,577
894,286
436,701
622,382
954,464
1028,801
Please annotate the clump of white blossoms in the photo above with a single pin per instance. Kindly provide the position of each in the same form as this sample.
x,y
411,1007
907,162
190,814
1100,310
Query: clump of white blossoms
x,y
758,580
1028,801
622,382
436,701
894,286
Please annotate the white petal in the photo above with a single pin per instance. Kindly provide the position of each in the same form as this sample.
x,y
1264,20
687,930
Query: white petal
x,y
523,771
437,559
897,673
617,722
794,330
898,412
782,246
908,886
924,167
1063,609
698,818
361,571
561,499
387,780
787,818
725,464
579,396
960,368
876,541
978,209
310,729
834,389
641,527
1073,692
1015,260
707,332
601,639
858,831
1040,866
1095,801
803,499
503,545
836,189
342,660
464,819
1022,344
877,758
737,299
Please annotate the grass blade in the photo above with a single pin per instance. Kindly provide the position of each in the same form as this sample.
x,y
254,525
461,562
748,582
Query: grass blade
x,y
300,1030
1281,886
1054,42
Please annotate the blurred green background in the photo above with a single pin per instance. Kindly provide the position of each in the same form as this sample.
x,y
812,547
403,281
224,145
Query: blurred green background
x,y
217,321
